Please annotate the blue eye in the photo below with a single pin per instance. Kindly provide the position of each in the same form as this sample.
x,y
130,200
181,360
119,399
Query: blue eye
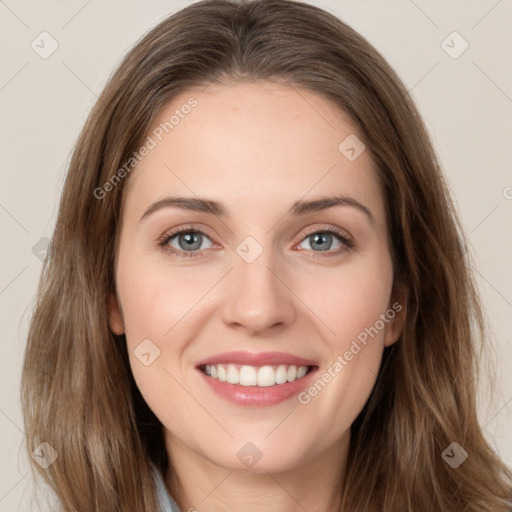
x,y
190,242
322,240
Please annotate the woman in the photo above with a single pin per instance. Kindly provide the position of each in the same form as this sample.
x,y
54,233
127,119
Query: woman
x,y
257,293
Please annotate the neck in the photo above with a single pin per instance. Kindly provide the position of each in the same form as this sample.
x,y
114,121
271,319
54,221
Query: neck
x,y
199,485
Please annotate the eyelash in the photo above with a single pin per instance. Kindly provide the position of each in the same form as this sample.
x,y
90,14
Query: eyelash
x,y
341,236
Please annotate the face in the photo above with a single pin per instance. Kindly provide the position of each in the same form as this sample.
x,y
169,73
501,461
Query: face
x,y
264,320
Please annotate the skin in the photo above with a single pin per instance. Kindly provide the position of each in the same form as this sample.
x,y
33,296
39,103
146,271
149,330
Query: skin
x,y
257,148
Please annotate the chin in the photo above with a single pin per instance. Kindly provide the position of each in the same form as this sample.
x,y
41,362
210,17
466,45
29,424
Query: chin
x,y
258,457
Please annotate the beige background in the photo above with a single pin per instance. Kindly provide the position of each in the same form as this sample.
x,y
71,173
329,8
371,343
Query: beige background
x,y
466,102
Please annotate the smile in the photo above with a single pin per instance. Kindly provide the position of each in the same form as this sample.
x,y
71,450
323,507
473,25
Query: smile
x,y
264,376
256,379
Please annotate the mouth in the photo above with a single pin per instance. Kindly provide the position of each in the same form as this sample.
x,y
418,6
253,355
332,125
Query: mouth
x,y
262,376
260,380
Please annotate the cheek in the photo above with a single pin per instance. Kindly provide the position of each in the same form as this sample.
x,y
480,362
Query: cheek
x,y
350,304
149,312
153,298
153,302
350,299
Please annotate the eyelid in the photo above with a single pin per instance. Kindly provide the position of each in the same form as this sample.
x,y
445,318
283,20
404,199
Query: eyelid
x,y
329,229
343,236
171,233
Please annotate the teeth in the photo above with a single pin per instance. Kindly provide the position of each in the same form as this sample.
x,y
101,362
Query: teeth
x,y
292,374
301,372
233,375
281,373
266,376
222,375
248,376
263,376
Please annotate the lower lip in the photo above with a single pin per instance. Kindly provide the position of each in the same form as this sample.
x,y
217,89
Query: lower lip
x,y
256,396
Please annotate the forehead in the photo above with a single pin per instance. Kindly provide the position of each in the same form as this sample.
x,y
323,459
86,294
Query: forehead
x,y
253,144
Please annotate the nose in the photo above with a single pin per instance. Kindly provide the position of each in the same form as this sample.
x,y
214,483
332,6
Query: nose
x,y
258,297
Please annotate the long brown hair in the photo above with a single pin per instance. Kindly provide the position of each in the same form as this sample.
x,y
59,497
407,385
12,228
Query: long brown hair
x,y
78,393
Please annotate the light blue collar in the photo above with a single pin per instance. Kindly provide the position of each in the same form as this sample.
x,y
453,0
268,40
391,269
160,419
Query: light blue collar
x,y
167,504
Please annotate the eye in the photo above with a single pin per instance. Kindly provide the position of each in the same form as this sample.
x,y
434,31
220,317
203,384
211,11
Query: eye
x,y
321,240
187,242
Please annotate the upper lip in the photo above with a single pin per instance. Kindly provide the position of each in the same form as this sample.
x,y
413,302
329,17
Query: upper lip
x,y
256,359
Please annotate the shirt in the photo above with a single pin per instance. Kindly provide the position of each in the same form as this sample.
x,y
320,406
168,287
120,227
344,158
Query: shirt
x,y
167,504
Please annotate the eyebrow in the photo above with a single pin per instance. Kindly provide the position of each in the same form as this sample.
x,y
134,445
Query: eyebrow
x,y
216,208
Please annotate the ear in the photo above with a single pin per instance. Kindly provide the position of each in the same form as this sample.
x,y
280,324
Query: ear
x,y
396,313
115,316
